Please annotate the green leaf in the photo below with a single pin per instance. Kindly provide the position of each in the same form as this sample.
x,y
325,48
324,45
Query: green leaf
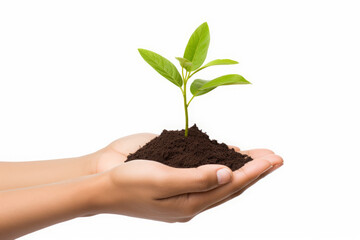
x,y
197,47
217,62
200,87
196,85
184,63
162,66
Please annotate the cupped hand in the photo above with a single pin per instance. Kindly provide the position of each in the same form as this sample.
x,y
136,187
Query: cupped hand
x,y
257,154
151,190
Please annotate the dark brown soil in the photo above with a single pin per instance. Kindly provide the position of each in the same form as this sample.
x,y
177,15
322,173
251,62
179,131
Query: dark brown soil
x,y
174,149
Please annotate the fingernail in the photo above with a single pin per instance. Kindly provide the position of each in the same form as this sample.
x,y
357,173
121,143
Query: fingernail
x,y
223,176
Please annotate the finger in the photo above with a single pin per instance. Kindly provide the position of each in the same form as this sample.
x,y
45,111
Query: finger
x,y
256,153
242,177
189,180
244,188
272,158
200,182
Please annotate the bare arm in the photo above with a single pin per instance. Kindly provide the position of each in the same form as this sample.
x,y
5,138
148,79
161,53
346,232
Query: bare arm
x,y
28,209
25,174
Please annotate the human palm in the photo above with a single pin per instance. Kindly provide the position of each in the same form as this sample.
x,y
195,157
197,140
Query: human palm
x,y
116,152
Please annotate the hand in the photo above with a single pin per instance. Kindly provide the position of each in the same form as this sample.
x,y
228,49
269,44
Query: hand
x,y
275,160
148,189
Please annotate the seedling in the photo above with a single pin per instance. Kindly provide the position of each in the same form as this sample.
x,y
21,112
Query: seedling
x,y
191,63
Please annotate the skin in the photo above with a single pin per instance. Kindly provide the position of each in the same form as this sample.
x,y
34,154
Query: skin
x,y
34,195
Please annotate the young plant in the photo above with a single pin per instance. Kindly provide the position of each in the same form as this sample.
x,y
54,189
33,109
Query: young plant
x,y
191,63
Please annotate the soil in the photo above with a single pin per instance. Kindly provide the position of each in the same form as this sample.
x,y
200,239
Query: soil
x,y
174,149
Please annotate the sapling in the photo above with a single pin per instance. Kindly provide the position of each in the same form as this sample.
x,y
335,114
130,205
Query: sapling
x,y
191,63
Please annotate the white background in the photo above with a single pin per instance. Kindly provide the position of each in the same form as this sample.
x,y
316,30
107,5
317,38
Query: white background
x,y
72,81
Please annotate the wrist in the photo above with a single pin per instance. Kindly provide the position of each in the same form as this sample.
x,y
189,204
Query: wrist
x,y
95,188
90,162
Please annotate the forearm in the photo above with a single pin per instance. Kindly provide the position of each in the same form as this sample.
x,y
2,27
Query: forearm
x,y
25,174
28,209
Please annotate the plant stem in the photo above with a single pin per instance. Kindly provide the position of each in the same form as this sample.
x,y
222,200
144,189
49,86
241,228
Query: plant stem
x,y
186,111
186,104
183,90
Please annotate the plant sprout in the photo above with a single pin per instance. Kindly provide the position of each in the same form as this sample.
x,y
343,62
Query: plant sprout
x,y
191,63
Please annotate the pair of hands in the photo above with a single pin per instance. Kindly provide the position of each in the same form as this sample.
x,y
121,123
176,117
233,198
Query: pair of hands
x,y
148,189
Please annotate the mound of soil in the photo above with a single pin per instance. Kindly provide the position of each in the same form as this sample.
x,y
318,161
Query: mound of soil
x,y
174,149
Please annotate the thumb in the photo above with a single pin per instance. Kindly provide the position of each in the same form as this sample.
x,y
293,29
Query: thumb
x,y
200,179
